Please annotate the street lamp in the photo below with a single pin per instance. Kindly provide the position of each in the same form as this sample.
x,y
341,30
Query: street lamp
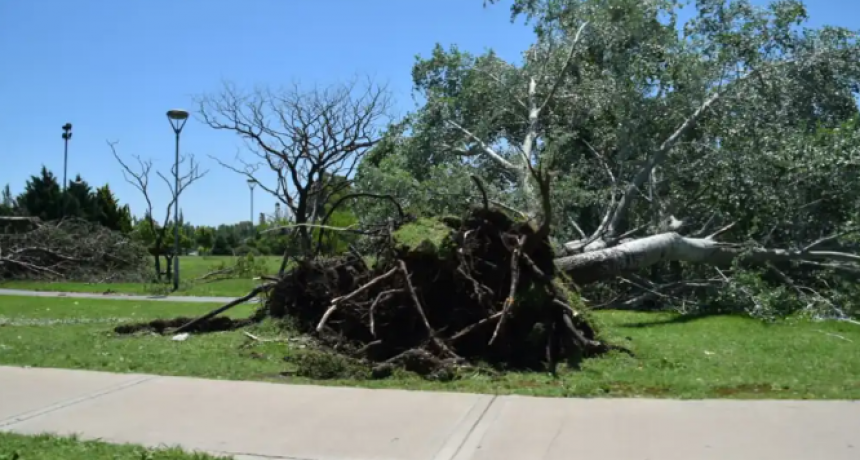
x,y
67,134
251,184
177,118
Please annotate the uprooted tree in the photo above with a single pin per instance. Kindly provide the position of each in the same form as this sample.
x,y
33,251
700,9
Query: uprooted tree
x,y
441,293
630,151
139,177
664,147
307,142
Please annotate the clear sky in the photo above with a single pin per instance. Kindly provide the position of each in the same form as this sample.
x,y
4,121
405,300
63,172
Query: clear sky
x,y
113,68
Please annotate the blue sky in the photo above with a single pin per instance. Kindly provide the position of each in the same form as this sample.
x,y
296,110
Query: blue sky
x,y
113,68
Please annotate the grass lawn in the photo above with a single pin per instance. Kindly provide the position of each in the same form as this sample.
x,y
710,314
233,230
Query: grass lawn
x,y
722,357
48,447
191,268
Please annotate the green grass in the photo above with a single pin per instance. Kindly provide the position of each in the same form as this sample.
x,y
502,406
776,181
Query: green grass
x,y
191,268
722,357
49,447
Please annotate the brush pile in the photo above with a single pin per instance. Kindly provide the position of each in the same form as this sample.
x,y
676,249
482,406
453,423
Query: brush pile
x,y
442,294
69,249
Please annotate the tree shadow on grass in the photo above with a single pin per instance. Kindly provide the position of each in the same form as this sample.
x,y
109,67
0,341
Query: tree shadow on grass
x,y
679,319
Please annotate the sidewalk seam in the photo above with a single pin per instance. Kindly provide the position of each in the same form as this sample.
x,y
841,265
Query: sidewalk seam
x,y
471,431
249,456
24,416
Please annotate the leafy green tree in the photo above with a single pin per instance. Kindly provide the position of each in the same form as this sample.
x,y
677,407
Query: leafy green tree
x,y
80,201
658,142
205,237
109,213
42,196
220,247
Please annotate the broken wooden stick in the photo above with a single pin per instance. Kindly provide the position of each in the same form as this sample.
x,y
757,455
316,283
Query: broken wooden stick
x,y
336,301
254,292
515,278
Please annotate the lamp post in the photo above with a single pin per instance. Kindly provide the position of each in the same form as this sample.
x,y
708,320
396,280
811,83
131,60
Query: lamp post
x,y
67,134
251,184
177,118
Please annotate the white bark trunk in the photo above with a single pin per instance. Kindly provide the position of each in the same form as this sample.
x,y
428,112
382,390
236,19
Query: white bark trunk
x,y
645,252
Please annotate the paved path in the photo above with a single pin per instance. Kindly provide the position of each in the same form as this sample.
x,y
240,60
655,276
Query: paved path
x,y
91,295
253,420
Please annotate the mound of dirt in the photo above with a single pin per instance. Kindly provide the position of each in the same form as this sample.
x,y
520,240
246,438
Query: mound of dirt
x,y
447,293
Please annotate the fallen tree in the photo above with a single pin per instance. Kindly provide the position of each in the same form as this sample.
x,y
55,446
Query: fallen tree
x,y
443,294
637,254
642,129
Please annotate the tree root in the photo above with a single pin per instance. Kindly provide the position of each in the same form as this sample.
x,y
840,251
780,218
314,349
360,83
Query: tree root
x,y
487,294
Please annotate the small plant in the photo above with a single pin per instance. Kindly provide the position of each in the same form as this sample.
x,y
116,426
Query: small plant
x,y
249,266
320,365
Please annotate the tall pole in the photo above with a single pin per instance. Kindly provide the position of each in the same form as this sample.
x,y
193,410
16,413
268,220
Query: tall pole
x,y
176,216
67,134
177,120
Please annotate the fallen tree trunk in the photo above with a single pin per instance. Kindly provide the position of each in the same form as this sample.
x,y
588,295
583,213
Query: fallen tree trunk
x,y
668,247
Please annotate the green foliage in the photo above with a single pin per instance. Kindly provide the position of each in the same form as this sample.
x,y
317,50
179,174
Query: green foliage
x,y
159,239
109,213
426,236
220,247
249,266
205,238
245,266
774,155
750,293
322,365
43,198
337,242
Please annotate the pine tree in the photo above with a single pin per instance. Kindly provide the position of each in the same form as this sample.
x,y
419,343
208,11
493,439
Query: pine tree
x,y
42,197
109,213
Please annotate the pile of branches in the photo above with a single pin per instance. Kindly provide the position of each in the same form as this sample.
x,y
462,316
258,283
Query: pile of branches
x,y
68,249
484,293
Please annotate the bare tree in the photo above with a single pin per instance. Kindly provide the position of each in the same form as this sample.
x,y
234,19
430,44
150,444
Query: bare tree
x,y
139,178
307,142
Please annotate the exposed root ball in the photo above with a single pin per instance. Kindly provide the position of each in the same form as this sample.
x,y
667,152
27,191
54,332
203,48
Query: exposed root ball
x,y
442,297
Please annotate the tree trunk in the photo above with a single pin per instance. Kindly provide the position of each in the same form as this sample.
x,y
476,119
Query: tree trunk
x,y
157,265
664,247
168,261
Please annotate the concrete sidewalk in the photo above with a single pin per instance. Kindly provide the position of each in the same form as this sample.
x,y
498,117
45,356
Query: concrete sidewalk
x,y
262,420
92,295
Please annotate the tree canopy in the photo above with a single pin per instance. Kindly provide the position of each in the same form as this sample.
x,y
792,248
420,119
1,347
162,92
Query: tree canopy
x,y
43,198
739,124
